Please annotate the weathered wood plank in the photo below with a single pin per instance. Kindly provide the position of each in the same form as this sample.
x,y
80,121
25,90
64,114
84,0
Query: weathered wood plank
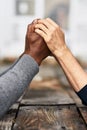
x,y
46,97
49,118
8,120
83,111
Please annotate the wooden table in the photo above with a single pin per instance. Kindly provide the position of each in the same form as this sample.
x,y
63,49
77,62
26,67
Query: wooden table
x,y
47,109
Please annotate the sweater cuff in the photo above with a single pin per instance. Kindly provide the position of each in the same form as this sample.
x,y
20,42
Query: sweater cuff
x,y
83,95
30,63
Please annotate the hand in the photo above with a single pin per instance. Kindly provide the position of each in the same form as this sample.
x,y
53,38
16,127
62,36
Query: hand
x,y
53,36
35,45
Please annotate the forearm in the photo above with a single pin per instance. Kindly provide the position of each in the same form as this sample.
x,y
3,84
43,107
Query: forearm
x,y
12,65
55,40
73,71
9,68
14,82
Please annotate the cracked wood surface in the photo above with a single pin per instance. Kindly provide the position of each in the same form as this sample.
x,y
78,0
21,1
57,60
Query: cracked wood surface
x,y
47,109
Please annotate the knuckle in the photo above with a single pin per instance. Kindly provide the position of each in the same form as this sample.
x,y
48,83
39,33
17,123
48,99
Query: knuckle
x,y
48,39
55,29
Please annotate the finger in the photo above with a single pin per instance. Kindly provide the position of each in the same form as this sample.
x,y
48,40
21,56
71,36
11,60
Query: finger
x,y
35,21
52,22
30,28
32,25
49,25
42,27
45,22
41,33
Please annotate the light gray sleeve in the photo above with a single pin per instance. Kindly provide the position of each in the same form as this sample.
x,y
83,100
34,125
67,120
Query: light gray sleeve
x,y
15,81
9,67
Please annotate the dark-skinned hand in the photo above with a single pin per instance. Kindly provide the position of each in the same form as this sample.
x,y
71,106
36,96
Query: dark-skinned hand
x,y
35,45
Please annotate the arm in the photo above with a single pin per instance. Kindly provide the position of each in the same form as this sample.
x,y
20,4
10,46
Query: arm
x,y
9,68
55,40
14,82
74,72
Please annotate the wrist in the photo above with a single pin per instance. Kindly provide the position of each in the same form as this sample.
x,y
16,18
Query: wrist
x,y
60,53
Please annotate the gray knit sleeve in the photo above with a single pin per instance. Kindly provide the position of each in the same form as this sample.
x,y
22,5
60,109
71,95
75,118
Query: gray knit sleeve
x,y
14,82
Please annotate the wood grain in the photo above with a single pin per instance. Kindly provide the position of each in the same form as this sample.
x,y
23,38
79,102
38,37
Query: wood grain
x,y
49,118
47,97
8,120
